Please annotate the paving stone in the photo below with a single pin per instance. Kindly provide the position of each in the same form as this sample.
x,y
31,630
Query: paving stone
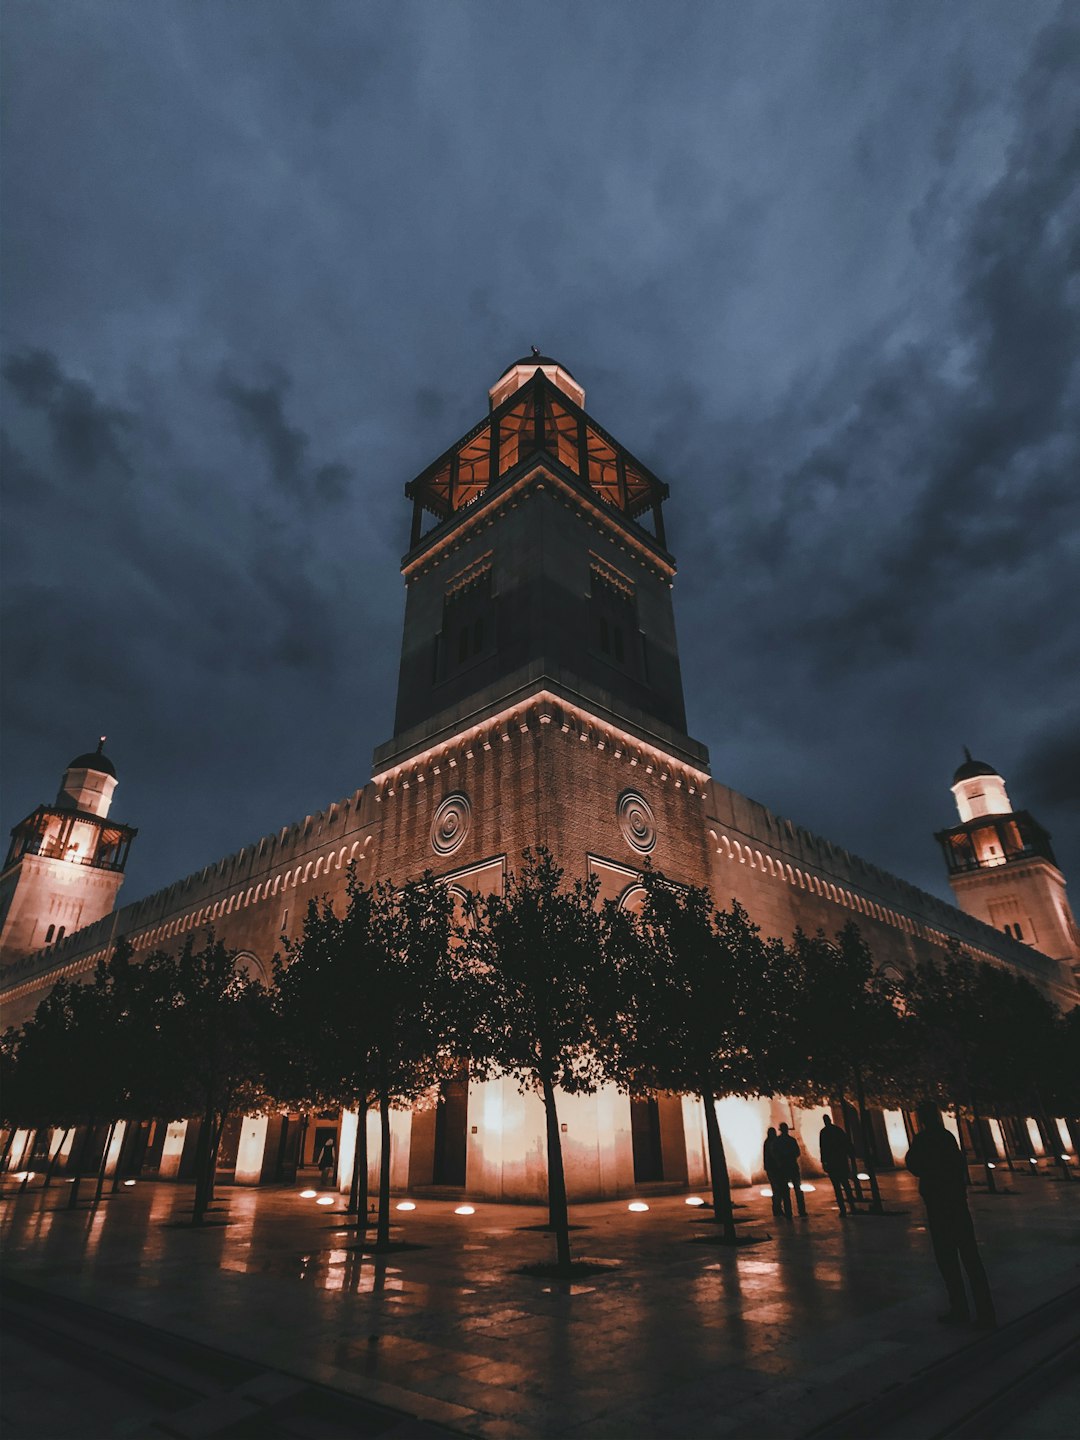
x,y
761,1342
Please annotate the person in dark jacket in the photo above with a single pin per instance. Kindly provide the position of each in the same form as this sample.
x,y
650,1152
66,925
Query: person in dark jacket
x,y
787,1155
935,1158
327,1160
836,1158
772,1168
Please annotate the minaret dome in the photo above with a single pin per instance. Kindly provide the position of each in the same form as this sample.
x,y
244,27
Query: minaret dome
x,y
979,790
522,371
88,783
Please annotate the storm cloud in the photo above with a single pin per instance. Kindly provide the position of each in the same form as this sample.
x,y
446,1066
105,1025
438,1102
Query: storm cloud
x,y
817,266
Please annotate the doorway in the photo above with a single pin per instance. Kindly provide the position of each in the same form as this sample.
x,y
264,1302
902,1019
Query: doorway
x,y
451,1114
645,1131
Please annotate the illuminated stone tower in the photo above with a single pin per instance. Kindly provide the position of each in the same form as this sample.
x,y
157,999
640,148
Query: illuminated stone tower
x,y
66,861
540,702
540,570
1002,867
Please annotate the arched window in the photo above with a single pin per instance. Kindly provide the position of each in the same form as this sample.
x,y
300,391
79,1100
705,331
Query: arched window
x,y
60,933
464,912
52,931
248,963
633,898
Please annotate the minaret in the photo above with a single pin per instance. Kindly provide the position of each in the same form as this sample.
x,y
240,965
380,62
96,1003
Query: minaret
x,y
66,861
1002,867
547,567
540,703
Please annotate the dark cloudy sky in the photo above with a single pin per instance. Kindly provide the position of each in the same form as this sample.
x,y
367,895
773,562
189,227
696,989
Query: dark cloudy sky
x,y
816,263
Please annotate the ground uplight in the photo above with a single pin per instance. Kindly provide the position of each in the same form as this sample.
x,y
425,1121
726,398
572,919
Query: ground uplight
x,y
129,1182
325,1200
638,1206
694,1200
465,1210
862,1175
308,1194
766,1192
406,1205
807,1188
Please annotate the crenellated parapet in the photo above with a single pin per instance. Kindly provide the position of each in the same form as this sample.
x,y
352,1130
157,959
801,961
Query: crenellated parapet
x,y
825,884
244,893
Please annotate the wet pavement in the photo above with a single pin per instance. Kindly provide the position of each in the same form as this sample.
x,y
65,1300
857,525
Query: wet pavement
x,y
675,1338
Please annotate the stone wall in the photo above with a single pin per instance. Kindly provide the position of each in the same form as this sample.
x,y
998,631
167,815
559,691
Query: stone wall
x,y
542,772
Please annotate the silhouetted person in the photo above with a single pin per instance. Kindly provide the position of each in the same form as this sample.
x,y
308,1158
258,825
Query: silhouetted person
x,y
787,1154
935,1158
772,1168
325,1162
836,1158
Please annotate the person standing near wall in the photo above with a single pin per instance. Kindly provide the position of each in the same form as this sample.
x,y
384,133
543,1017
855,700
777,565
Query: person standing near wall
x,y
772,1169
787,1154
935,1158
326,1161
836,1158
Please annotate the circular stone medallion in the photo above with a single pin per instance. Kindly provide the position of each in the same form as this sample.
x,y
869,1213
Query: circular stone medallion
x,y
636,821
451,824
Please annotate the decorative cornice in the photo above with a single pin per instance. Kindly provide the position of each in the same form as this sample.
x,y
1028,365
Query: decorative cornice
x,y
541,708
486,510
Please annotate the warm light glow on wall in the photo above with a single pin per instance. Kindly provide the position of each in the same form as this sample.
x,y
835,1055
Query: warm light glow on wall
x,y
1037,1146
742,1125
250,1150
494,1110
172,1149
113,1156
997,1137
896,1133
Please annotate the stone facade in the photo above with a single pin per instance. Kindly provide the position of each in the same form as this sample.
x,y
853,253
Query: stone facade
x,y
540,703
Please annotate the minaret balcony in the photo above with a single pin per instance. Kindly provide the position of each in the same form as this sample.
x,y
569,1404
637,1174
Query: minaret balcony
x,y
989,842
75,837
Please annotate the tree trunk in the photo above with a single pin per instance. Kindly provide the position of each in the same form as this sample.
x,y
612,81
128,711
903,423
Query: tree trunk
x,y
876,1207
558,1211
1003,1126
988,1169
73,1198
358,1186
26,1163
382,1233
205,1157
1051,1137
723,1213
131,1129
104,1161
845,1122
54,1158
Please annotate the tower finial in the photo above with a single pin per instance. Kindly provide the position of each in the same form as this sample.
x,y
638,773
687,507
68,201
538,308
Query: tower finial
x,y
101,743
967,754
536,352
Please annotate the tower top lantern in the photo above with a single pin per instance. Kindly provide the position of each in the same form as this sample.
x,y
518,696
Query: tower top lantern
x,y
521,371
979,790
536,415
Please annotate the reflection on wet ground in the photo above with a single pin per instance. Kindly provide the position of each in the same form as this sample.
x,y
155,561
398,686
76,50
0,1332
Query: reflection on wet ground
x,y
677,1338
